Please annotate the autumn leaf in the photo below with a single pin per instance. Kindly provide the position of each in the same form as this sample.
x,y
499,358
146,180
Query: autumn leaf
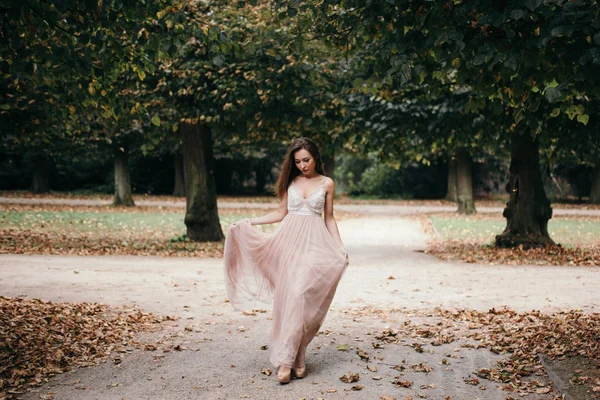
x,y
421,367
362,354
350,377
400,383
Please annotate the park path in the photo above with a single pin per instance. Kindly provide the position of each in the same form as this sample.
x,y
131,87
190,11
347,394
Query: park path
x,y
379,247
224,360
364,209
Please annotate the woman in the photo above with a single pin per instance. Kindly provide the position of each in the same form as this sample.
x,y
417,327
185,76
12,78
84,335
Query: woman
x,y
298,266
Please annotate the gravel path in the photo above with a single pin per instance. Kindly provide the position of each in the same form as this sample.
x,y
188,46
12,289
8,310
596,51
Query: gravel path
x,y
224,360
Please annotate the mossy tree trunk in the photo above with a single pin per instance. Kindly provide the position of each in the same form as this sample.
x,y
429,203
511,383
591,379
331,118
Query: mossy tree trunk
x,y
451,191
464,182
123,195
528,209
39,179
179,187
595,192
201,216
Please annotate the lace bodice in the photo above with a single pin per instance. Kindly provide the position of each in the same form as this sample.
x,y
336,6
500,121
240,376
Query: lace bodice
x,y
312,205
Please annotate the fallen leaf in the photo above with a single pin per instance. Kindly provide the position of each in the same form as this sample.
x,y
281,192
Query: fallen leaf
x,y
350,377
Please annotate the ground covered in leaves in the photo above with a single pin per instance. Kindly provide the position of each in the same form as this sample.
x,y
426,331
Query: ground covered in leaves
x,y
471,239
105,230
39,339
520,338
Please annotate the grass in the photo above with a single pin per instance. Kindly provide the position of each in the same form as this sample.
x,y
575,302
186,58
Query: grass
x,y
570,232
155,223
88,231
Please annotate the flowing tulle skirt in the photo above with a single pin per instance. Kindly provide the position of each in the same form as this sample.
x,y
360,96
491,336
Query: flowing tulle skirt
x,y
297,268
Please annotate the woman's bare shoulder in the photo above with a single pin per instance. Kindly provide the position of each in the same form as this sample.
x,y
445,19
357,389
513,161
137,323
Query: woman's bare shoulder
x,y
328,183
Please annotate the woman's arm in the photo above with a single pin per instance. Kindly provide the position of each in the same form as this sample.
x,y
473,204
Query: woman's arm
x,y
328,212
273,217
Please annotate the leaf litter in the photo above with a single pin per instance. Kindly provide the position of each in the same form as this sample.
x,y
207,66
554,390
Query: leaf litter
x,y
39,339
519,337
105,230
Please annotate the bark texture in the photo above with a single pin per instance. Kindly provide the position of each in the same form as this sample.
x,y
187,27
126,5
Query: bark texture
x,y
464,182
39,180
329,164
179,186
123,195
201,216
595,192
451,192
528,209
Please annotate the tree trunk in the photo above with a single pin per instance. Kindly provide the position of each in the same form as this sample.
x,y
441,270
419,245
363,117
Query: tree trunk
x,y
595,192
201,216
329,164
39,181
528,209
452,177
464,182
122,179
179,188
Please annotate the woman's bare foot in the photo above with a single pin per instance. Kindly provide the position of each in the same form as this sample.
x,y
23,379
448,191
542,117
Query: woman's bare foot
x,y
284,374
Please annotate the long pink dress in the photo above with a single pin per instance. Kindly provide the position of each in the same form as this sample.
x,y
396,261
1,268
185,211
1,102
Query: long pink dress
x,y
297,267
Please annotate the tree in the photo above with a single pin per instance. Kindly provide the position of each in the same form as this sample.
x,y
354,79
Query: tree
x,y
513,55
239,77
122,180
201,215
464,181
451,193
63,67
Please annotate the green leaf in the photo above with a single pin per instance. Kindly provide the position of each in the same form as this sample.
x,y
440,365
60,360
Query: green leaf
x,y
584,119
512,63
218,60
551,94
517,14
141,74
533,4
155,120
519,116
573,111
555,112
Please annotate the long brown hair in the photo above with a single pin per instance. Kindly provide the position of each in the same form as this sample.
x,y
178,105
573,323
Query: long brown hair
x,y
288,166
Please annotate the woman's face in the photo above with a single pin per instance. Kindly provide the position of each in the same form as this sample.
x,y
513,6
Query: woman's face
x,y
305,162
